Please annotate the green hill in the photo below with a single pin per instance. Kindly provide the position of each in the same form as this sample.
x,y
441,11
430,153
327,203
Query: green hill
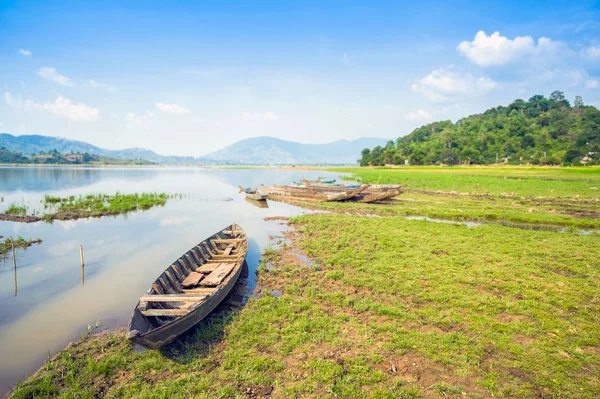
x,y
542,130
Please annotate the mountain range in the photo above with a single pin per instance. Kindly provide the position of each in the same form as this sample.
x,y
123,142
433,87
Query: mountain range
x,y
252,151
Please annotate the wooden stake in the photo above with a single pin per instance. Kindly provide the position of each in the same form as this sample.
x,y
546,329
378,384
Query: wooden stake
x,y
82,265
12,242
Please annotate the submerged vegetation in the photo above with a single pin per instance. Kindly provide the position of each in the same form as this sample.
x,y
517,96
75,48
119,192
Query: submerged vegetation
x,y
384,307
84,206
20,242
540,131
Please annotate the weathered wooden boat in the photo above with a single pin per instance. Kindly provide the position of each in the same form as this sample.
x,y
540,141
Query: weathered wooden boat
x,y
258,196
253,194
378,193
373,192
303,193
189,289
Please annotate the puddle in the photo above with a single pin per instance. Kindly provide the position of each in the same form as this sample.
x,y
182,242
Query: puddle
x,y
522,226
276,293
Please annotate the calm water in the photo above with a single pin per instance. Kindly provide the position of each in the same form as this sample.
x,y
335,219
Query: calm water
x,y
123,254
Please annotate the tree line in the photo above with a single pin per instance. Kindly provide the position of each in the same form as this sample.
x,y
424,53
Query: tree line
x,y
546,131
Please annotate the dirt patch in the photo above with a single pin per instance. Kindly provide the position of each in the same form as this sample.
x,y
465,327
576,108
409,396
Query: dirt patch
x,y
523,339
256,391
513,318
271,218
21,219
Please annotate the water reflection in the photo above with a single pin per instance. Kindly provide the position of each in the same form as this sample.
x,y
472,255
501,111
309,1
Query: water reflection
x,y
123,254
258,204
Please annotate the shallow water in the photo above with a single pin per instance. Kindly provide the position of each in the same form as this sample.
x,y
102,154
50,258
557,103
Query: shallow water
x,y
123,254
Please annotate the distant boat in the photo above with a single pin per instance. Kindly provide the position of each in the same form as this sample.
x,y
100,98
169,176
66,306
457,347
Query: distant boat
x,y
189,289
253,194
258,204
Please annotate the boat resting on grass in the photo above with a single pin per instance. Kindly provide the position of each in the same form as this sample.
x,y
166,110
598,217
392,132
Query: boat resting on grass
x,y
189,289
373,192
295,193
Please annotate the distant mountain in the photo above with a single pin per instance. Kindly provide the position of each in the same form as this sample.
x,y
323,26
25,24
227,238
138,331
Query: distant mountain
x,y
272,151
33,144
253,151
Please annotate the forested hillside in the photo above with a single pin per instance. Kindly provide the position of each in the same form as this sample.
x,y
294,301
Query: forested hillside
x,y
547,131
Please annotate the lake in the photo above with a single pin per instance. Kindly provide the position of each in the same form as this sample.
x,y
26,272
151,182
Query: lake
x,y
123,254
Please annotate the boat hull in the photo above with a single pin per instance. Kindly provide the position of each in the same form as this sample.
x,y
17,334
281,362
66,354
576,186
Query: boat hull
x,y
187,304
163,336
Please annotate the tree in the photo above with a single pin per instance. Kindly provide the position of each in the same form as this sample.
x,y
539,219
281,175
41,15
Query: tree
x,y
449,156
557,96
365,157
578,103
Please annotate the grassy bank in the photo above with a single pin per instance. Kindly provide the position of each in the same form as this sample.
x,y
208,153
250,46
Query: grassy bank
x,y
387,308
494,181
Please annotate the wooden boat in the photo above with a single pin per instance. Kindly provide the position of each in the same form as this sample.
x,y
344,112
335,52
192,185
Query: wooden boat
x,y
373,192
189,289
296,193
253,194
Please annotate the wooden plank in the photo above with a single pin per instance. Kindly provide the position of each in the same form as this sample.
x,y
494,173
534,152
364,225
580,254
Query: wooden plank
x,y
228,240
165,312
192,279
184,268
157,289
208,268
178,272
228,250
191,263
174,282
173,298
200,290
218,274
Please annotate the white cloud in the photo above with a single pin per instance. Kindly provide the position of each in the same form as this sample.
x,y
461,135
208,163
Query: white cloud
x,y
446,84
142,121
418,115
591,52
270,116
592,84
61,106
345,59
24,52
53,76
174,109
258,117
369,126
494,50
99,85
77,112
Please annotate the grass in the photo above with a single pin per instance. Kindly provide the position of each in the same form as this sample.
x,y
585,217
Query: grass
x,y
15,210
92,205
389,308
20,242
392,308
508,181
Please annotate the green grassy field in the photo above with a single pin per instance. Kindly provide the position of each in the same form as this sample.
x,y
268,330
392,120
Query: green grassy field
x,y
384,307
495,181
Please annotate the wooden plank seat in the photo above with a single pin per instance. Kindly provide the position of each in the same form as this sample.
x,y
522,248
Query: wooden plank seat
x,y
218,274
228,241
200,290
192,279
228,250
165,312
208,267
174,298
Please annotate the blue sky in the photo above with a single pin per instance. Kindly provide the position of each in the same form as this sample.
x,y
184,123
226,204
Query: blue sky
x,y
191,77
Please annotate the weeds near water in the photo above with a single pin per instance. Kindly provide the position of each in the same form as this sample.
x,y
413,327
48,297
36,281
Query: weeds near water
x,y
16,210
